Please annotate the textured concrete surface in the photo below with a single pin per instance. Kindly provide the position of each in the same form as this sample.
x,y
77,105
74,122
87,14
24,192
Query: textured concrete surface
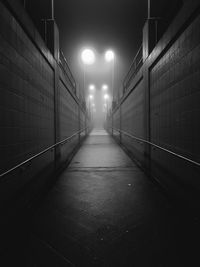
x,y
104,211
162,105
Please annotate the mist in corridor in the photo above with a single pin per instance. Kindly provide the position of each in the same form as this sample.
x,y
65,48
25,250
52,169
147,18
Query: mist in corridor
x,y
99,146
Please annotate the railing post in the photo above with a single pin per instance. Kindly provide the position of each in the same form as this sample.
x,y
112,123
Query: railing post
x,y
79,123
147,134
56,114
53,39
112,124
120,124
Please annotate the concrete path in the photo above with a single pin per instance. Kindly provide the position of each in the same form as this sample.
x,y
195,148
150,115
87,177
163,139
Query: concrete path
x,y
104,211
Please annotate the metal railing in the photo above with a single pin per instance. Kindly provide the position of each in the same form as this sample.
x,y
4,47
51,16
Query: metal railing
x,y
40,153
134,68
66,69
159,147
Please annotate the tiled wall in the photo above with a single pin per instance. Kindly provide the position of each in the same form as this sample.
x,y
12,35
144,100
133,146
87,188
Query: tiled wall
x,y
82,122
164,108
175,95
26,95
174,105
69,123
116,122
37,106
132,120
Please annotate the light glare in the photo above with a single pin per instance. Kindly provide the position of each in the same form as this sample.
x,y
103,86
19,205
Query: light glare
x,y
88,56
91,96
109,55
106,96
92,87
105,87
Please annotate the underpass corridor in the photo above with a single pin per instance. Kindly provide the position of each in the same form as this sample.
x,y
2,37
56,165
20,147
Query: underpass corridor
x,y
99,143
103,211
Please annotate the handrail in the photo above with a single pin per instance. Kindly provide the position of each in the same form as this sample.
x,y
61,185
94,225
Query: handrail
x,y
134,60
71,78
159,147
41,153
133,67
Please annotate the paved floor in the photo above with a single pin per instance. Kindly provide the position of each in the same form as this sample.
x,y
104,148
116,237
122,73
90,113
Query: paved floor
x,y
104,211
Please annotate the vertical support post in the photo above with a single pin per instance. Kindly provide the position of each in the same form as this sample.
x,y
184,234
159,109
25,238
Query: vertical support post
x,y
86,122
147,148
149,9
120,123
79,123
113,79
53,44
147,46
52,38
56,114
112,123
84,79
52,9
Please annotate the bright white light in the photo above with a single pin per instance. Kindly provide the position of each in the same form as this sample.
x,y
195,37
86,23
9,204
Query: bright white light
x,y
109,55
104,87
106,96
91,87
91,96
88,56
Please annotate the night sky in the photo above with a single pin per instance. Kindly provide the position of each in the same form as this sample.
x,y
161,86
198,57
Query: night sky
x,y
115,24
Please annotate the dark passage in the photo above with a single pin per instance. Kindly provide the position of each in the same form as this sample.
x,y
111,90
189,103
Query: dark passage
x,y
126,195
104,211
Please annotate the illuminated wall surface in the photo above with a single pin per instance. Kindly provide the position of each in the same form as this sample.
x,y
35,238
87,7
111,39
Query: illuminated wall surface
x,y
161,105
38,104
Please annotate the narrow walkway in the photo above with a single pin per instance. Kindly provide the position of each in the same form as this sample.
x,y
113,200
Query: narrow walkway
x,y
103,211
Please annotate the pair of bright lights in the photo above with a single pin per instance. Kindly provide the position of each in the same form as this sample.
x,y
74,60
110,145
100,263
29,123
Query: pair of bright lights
x,y
106,96
88,56
92,87
91,97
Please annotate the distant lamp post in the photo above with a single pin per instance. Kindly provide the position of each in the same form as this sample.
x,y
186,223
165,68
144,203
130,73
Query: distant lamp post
x,y
88,58
90,98
91,87
110,57
52,9
106,97
105,87
149,9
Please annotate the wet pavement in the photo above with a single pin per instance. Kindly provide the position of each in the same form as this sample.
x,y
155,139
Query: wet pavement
x,y
104,211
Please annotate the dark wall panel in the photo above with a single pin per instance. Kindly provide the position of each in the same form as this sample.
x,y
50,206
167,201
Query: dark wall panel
x,y
132,114
69,123
163,107
26,99
38,107
116,123
175,109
